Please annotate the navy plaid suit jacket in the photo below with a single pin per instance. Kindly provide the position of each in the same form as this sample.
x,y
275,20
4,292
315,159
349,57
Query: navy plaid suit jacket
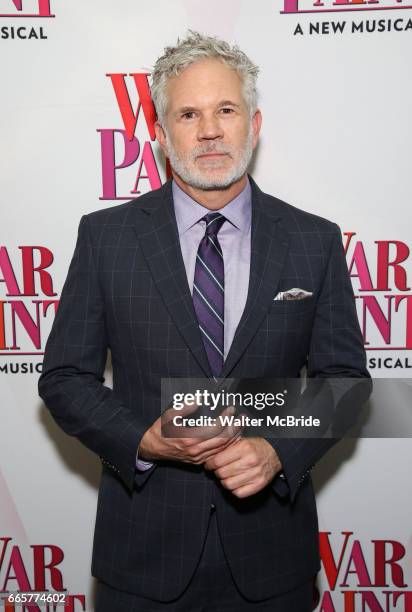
x,y
127,291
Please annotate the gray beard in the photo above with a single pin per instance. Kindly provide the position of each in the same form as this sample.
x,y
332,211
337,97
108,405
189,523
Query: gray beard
x,y
197,178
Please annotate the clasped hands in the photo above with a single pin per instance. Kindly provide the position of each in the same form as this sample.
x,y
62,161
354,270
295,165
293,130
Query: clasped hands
x,y
244,466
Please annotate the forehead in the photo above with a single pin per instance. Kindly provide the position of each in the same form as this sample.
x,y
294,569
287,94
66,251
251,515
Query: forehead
x,y
204,82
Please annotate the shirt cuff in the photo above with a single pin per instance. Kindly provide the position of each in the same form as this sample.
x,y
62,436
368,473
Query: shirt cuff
x,y
141,465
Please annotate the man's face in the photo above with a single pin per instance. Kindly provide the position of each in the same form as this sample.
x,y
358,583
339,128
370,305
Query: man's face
x,y
208,134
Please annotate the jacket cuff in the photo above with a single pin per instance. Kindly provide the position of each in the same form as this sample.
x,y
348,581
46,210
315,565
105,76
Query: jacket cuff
x,y
293,467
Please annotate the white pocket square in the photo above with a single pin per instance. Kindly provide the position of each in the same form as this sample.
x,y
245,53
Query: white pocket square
x,y
293,294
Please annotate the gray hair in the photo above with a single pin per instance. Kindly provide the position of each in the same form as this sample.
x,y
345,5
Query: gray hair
x,y
196,47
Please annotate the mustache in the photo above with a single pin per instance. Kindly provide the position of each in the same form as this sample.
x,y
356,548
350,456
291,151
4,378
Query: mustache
x,y
212,147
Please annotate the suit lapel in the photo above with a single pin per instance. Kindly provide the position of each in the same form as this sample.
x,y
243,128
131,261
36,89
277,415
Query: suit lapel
x,y
159,239
157,231
269,247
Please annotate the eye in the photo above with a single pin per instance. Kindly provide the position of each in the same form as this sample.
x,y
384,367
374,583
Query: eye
x,y
188,115
227,110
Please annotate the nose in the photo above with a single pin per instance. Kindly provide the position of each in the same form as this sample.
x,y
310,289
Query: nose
x,y
209,128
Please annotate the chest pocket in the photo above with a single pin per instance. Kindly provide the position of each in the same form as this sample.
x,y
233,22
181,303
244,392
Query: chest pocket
x,y
291,307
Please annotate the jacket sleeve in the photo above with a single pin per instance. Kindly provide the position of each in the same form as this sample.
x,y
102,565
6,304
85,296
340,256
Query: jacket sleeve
x,y
336,352
71,383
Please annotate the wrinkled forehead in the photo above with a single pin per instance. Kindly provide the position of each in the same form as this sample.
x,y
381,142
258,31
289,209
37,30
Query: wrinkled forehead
x,y
203,84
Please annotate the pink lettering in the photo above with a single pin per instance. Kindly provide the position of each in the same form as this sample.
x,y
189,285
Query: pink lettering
x,y
8,274
371,306
357,559
360,263
402,253
43,9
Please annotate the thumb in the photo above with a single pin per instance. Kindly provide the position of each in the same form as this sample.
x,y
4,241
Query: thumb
x,y
171,412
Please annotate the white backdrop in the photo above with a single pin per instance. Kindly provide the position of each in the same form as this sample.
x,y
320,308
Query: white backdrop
x,y
335,141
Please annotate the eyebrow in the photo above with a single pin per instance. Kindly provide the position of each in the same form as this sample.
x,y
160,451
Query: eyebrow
x,y
189,109
228,103
185,109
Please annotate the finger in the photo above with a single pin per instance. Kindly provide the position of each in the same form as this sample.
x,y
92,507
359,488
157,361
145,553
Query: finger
x,y
232,453
233,469
233,427
218,442
247,490
199,452
207,454
194,447
168,427
187,409
171,412
170,430
202,458
216,428
247,477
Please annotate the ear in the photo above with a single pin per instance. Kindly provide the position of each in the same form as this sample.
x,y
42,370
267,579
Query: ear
x,y
161,137
256,124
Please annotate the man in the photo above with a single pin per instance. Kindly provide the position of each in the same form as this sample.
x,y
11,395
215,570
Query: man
x,y
181,283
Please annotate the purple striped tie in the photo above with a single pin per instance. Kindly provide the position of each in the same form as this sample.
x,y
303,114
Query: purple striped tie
x,y
209,292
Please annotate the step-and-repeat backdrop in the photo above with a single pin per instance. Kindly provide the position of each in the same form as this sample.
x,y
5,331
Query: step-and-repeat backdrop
x,y
77,135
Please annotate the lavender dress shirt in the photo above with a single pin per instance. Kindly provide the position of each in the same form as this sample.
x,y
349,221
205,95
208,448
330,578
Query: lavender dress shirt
x,y
234,239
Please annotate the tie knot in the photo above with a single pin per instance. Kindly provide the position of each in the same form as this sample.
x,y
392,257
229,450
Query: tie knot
x,y
214,222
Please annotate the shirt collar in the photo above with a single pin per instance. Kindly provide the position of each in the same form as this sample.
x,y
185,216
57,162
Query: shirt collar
x,y
188,212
